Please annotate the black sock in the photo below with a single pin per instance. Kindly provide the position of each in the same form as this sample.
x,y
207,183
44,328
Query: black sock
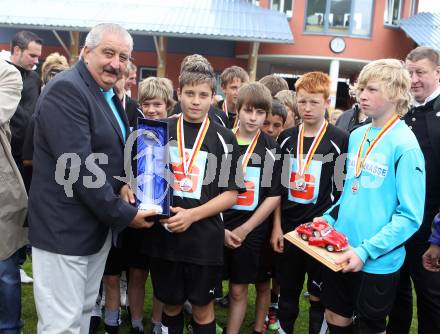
x,y
173,323
203,329
340,330
316,317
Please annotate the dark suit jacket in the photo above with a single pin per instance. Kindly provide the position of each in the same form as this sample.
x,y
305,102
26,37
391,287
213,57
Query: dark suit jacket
x,y
72,116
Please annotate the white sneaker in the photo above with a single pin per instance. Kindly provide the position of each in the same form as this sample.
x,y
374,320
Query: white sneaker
x,y
24,278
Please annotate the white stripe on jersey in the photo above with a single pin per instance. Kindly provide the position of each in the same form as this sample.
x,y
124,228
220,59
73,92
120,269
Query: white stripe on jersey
x,y
336,147
225,147
270,153
284,141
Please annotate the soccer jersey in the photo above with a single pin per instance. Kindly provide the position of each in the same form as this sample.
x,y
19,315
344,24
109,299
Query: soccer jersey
x,y
231,117
215,170
382,208
262,179
323,177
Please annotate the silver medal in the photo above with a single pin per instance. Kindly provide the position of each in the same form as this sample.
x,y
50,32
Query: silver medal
x,y
355,186
185,184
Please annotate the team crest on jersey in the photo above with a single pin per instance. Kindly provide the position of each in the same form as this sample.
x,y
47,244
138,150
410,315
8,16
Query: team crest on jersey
x,y
308,191
188,186
248,200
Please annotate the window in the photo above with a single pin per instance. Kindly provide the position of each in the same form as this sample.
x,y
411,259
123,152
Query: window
x,y
339,17
146,72
284,6
393,9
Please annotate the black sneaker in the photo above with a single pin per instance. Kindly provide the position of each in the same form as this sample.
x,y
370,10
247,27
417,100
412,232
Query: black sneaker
x,y
136,331
111,329
95,321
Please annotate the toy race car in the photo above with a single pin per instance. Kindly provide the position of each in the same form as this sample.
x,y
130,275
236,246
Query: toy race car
x,y
323,235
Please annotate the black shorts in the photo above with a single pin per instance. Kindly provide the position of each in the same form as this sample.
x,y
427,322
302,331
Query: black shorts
x,y
116,261
370,297
138,261
175,282
292,266
132,241
247,264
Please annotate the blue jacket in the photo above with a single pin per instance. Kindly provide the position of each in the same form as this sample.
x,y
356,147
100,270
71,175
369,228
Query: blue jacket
x,y
435,236
386,207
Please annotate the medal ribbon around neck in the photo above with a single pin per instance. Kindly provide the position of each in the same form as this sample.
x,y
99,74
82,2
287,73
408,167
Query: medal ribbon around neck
x,y
225,109
249,150
188,164
302,168
360,161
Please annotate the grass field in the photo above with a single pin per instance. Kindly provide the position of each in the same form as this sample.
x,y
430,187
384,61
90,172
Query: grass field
x,y
30,316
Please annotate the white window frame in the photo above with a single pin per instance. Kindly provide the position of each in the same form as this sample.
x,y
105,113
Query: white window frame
x,y
388,13
282,3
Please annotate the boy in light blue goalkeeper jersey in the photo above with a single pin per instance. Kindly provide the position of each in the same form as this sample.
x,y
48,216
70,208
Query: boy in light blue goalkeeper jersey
x,y
381,205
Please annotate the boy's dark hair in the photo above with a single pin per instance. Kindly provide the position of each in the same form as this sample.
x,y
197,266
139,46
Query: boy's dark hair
x,y
197,72
274,83
232,72
278,109
255,95
23,38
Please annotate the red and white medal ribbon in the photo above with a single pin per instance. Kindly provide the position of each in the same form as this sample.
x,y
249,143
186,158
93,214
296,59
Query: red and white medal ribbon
x,y
188,163
360,161
249,150
302,167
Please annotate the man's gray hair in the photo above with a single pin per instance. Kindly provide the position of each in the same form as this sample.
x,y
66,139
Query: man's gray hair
x,y
94,37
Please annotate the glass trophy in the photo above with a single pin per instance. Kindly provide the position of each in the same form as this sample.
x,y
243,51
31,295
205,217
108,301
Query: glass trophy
x,y
153,190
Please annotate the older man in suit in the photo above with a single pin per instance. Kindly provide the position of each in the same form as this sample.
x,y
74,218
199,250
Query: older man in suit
x,y
13,201
76,197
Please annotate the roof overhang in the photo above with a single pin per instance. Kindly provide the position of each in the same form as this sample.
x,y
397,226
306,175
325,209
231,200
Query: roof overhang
x,y
235,20
423,28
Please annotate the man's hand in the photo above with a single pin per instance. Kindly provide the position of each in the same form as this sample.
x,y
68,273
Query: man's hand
x,y
277,240
350,261
232,240
139,220
127,194
180,222
431,258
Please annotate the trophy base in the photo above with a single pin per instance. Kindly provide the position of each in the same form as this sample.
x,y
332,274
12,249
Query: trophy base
x,y
151,206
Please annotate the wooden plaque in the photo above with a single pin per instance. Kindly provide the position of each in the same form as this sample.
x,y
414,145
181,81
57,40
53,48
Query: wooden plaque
x,y
320,254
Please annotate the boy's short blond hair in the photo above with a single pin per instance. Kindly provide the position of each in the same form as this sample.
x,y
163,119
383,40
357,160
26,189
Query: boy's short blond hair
x,y
274,83
196,72
394,78
288,98
156,88
231,73
254,95
188,60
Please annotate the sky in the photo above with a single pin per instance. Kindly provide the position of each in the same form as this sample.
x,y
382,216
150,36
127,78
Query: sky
x,y
432,6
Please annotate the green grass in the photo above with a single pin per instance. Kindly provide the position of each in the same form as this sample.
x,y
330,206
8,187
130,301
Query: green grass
x,y
30,316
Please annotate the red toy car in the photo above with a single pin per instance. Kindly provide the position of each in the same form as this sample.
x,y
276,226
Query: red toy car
x,y
323,235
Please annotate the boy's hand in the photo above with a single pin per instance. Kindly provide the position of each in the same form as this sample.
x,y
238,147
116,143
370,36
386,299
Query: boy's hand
x,y
180,222
277,240
231,240
350,261
127,194
431,258
241,232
